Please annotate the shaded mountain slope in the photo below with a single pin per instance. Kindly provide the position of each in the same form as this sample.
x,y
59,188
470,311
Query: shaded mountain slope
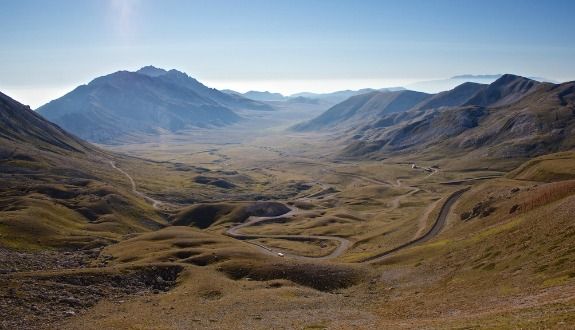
x,y
514,118
149,101
505,90
22,125
126,102
340,96
58,190
452,98
362,109
232,101
264,96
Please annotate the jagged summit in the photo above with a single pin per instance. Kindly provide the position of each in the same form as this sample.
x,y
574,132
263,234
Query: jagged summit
x,y
152,71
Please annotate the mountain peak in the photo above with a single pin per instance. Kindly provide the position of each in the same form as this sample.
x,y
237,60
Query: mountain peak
x,y
509,78
152,71
507,89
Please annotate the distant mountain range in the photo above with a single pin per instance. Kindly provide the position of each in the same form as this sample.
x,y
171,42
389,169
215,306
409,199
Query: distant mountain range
x,y
513,117
429,86
260,96
149,100
307,97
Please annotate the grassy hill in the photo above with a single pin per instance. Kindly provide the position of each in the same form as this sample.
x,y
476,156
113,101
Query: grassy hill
x,y
59,191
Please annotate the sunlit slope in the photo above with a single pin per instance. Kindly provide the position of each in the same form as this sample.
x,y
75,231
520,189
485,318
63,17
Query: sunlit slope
x,y
506,258
548,168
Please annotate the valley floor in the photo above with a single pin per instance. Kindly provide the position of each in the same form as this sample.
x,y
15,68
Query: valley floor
x,y
275,232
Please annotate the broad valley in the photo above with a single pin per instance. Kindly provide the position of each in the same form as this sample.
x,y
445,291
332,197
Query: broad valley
x,y
145,198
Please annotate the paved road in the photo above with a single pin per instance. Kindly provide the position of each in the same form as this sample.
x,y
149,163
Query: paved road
x,y
454,182
435,229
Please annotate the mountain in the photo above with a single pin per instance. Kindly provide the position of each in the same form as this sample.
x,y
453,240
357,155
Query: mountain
x,y
58,190
328,99
507,89
513,118
339,96
364,108
20,125
436,86
264,96
144,102
455,97
234,102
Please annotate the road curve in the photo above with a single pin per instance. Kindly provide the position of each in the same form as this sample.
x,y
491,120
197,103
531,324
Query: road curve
x,y
343,244
435,229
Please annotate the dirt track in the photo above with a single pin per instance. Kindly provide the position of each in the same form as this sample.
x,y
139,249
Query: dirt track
x,y
155,203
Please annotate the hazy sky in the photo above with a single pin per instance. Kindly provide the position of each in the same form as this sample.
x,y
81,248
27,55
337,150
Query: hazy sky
x,y
48,47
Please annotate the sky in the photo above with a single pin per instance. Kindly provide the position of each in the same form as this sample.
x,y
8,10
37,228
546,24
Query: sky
x,y
49,47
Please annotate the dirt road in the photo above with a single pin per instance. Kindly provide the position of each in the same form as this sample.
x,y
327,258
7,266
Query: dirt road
x,y
155,203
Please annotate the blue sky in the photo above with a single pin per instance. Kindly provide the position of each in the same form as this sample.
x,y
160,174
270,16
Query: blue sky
x,y
48,47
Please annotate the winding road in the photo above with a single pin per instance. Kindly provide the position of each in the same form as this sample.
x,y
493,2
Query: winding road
x,y
343,244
